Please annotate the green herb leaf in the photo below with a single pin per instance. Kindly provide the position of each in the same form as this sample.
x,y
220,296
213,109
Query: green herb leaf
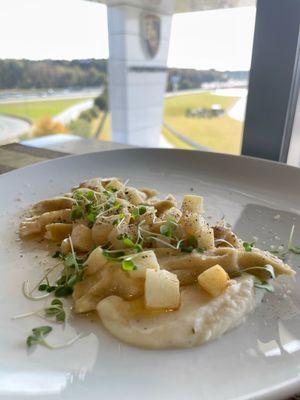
x,y
113,255
248,245
51,288
111,189
61,316
128,242
138,211
168,229
128,265
57,254
90,195
70,260
188,245
77,213
142,210
267,268
63,291
192,241
43,287
186,249
56,309
200,250
61,280
42,330
57,302
75,278
135,213
138,248
291,247
38,335
31,340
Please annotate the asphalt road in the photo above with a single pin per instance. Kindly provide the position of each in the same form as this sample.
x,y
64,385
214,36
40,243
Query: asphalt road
x,y
11,128
73,112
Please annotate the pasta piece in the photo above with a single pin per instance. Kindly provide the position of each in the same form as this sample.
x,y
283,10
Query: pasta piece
x,y
82,238
115,185
58,231
29,227
173,213
56,203
162,206
188,267
134,196
53,217
260,258
94,184
148,217
150,193
101,230
111,279
224,237
37,224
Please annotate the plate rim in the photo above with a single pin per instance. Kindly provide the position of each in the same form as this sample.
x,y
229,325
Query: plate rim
x,y
262,161
275,392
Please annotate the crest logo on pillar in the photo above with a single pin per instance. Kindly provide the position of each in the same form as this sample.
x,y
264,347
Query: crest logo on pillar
x,y
150,33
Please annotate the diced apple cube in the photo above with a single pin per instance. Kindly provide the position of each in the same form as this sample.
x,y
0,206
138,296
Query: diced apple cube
x,y
192,204
214,280
143,261
161,290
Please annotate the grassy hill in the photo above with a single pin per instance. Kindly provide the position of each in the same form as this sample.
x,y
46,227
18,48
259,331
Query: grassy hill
x,y
222,134
35,110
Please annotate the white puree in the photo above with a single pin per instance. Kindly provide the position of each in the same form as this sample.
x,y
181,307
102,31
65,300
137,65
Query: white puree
x,y
200,317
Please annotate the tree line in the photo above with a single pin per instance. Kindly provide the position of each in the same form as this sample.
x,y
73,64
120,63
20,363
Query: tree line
x,y
51,74
47,74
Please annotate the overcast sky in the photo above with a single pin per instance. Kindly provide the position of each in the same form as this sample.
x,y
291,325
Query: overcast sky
x,y
68,29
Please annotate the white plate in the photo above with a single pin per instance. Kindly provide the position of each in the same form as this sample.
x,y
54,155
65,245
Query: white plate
x,y
258,360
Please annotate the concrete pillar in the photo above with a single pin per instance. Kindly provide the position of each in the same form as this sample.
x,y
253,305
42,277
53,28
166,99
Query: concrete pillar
x,y
137,73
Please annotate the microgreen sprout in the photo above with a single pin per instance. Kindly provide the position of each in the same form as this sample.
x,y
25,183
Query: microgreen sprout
x,y
248,246
263,285
258,283
168,229
39,334
71,274
137,212
281,252
55,309
189,245
128,265
291,247
268,268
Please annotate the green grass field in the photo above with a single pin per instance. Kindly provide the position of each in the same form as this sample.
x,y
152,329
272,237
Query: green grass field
x,y
222,134
34,110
